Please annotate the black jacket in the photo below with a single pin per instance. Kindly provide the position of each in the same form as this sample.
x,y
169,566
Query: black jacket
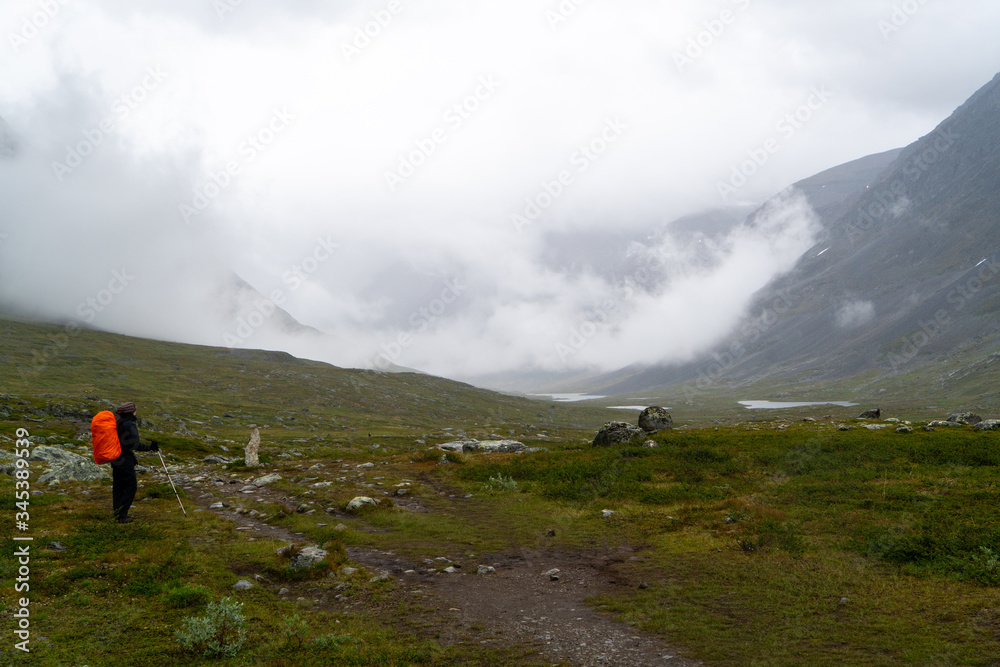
x,y
128,436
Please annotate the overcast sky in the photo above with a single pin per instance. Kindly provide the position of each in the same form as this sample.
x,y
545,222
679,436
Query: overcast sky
x,y
401,175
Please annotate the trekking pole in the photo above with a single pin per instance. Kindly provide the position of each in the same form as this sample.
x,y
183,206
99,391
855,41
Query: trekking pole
x,y
171,482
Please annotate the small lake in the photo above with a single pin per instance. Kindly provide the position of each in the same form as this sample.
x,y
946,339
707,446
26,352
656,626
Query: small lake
x,y
569,398
640,408
777,405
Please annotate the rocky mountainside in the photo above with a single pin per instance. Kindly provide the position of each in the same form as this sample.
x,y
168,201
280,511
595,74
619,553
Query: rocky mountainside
x,y
906,273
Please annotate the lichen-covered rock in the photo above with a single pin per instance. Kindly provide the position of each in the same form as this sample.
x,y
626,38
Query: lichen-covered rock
x,y
359,502
266,479
493,447
989,425
55,455
967,418
655,419
216,458
308,557
615,433
80,470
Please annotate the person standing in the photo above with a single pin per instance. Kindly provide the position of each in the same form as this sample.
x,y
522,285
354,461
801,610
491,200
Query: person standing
x,y
124,483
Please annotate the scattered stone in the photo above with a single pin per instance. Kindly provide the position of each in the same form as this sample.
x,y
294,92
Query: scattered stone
x,y
217,506
877,427
607,514
266,479
348,571
402,492
967,418
284,591
382,576
251,455
340,527
892,420
904,429
650,444
243,585
844,427
301,509
643,585
551,533
56,546
939,422
655,419
485,569
451,569
366,465
614,433
928,429
359,502
215,458
871,414
989,425
552,574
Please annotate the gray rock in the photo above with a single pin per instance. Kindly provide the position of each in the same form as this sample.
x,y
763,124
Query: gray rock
x,y
284,591
904,429
871,414
402,492
381,576
251,452
215,458
308,557
493,447
80,470
55,455
348,571
243,585
451,569
458,446
216,506
939,422
967,418
607,514
989,425
359,502
266,479
552,574
485,569
340,527
614,433
655,419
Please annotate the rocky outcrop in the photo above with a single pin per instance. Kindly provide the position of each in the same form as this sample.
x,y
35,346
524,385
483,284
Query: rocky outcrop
x,y
989,425
655,419
967,418
80,470
54,455
616,433
486,446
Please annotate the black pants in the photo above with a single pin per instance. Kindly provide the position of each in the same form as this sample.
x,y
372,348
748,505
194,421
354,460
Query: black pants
x,y
123,486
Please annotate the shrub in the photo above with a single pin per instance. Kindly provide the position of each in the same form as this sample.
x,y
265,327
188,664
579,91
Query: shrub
x,y
187,596
219,632
501,482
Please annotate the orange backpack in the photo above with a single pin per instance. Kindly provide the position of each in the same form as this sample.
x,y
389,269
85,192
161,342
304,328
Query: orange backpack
x,y
104,433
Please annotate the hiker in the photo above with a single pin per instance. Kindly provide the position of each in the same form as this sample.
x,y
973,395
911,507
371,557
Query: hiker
x,y
123,468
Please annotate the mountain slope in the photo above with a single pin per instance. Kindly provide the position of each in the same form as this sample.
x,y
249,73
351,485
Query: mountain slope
x,y
906,273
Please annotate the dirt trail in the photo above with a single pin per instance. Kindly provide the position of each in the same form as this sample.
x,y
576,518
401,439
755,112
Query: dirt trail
x,y
519,604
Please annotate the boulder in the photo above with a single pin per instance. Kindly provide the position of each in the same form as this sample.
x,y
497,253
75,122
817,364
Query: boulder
x,y
493,447
359,502
251,456
308,557
655,419
967,418
939,422
80,470
904,429
989,425
871,414
614,433
243,585
266,479
55,455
